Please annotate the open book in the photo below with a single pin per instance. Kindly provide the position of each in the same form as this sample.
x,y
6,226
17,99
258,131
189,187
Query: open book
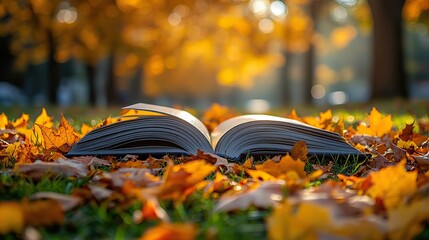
x,y
178,132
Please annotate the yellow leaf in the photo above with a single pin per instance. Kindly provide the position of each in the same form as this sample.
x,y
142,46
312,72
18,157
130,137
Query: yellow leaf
x,y
286,166
12,217
3,121
405,222
289,222
21,122
392,184
180,180
378,125
165,231
44,119
62,139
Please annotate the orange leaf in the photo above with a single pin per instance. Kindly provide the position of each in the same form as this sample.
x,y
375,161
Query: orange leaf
x,y
43,212
392,184
165,231
378,125
287,166
62,139
44,119
12,217
179,180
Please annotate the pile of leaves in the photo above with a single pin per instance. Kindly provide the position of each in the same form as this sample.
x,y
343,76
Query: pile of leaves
x,y
384,197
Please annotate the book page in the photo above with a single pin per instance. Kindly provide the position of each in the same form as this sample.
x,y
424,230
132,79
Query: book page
x,y
172,112
225,126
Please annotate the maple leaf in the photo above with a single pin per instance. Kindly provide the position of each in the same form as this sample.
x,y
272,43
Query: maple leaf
x,y
378,125
286,167
62,139
179,180
164,231
215,115
44,119
407,133
392,184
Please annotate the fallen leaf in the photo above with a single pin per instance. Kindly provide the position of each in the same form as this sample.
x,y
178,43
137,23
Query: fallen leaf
x,y
92,161
406,222
42,212
61,167
151,210
179,180
299,151
288,167
378,125
61,139
407,133
268,194
12,217
66,202
392,184
44,119
164,231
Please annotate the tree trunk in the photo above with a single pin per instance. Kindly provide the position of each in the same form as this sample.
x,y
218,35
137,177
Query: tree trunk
x,y
309,57
388,75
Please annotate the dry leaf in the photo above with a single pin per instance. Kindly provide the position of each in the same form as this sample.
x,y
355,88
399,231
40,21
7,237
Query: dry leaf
x,y
64,168
268,194
392,184
66,202
299,151
12,217
378,125
61,139
180,180
287,167
177,231
42,212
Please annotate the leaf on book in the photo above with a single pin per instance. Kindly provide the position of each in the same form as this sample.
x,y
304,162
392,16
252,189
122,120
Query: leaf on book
x,y
266,195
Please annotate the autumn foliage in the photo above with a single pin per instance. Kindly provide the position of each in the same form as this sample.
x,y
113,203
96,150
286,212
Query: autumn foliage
x,y
384,197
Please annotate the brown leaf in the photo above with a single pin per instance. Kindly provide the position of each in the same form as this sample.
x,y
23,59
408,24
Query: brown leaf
x,y
64,168
299,151
407,133
43,212
92,161
266,195
66,202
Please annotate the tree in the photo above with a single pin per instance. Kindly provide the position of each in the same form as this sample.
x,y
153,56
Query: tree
x,y
388,74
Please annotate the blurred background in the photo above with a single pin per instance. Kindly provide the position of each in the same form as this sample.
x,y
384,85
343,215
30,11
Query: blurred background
x,y
253,55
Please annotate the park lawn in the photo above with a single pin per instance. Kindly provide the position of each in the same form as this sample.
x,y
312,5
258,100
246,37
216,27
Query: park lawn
x,y
286,197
